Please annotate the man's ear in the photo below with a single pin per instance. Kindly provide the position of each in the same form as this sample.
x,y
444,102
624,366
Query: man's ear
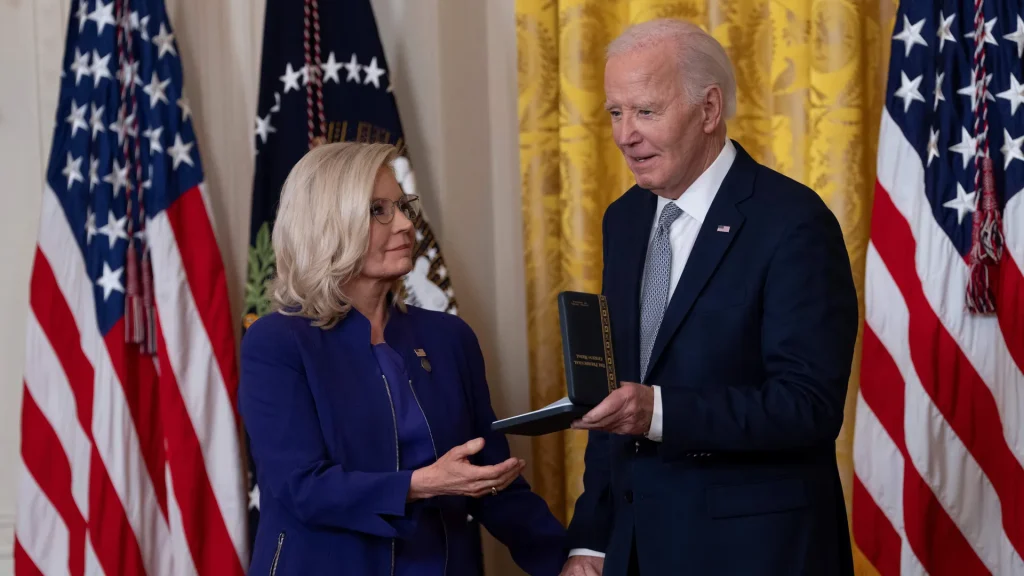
x,y
712,106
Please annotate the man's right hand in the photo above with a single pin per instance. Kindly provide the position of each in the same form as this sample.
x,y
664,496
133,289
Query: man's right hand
x,y
583,566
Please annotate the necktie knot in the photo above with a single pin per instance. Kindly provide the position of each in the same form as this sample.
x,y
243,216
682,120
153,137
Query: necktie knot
x,y
669,215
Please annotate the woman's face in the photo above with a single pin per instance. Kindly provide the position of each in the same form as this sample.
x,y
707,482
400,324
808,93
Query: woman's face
x,y
389,256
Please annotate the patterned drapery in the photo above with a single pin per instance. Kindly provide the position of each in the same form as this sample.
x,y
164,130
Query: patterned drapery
x,y
810,77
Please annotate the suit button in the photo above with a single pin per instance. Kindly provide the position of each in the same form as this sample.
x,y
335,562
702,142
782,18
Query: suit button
x,y
629,496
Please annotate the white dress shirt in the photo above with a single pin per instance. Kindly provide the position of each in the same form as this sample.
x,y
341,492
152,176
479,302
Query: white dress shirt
x,y
695,203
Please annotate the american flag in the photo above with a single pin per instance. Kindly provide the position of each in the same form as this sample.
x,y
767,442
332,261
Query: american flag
x,y
130,457
939,437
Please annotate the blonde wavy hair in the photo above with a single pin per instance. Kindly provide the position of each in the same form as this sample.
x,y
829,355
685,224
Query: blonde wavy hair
x,y
322,230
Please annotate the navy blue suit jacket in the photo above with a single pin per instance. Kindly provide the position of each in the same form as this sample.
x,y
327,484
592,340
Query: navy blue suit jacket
x,y
323,441
752,357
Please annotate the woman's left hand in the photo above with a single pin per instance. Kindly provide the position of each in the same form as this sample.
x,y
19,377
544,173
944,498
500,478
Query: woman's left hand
x,y
454,475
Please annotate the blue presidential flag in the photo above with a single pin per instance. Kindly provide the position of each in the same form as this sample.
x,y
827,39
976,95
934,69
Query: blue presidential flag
x,y
324,77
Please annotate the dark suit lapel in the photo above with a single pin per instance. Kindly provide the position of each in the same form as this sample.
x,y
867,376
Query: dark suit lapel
x,y
401,335
641,217
721,225
412,341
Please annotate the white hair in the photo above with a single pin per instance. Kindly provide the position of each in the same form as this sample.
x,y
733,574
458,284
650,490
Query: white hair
x,y
322,229
702,60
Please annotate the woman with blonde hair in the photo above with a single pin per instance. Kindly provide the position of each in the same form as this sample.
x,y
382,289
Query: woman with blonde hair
x,y
369,420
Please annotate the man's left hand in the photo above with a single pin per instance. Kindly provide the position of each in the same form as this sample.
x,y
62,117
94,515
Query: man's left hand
x,y
627,410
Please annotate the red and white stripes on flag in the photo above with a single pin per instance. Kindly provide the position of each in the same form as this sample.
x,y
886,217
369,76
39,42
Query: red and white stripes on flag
x,y
939,436
130,460
939,433
131,463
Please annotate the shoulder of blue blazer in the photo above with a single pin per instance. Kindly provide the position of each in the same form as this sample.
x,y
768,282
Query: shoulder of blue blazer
x,y
355,324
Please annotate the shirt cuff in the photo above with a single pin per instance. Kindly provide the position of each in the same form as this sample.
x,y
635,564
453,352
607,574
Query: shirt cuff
x,y
654,434
585,552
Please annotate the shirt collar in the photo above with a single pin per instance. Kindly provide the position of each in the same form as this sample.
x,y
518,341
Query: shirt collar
x,y
696,200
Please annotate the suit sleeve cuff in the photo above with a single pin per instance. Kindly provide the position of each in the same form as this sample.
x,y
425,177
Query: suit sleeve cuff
x,y
585,552
657,420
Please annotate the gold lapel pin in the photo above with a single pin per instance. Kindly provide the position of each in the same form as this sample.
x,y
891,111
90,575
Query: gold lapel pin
x,y
423,358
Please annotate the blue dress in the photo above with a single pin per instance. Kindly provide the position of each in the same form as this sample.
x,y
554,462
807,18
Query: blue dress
x,y
325,452
423,553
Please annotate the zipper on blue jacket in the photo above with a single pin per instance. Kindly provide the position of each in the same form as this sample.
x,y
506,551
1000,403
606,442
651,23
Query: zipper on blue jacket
x,y
398,460
277,554
444,525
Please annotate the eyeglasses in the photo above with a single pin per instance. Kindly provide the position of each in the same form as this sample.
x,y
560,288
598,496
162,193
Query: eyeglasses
x,y
383,209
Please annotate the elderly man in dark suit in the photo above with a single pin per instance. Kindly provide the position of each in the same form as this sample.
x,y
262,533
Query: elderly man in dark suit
x,y
734,316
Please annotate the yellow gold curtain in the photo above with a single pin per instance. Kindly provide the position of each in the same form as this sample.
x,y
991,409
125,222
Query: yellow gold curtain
x,y
811,79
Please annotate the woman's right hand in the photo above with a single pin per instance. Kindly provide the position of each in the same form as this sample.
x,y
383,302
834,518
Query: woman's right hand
x,y
454,475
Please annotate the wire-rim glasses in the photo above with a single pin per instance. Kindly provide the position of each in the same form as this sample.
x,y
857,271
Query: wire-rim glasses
x,y
383,209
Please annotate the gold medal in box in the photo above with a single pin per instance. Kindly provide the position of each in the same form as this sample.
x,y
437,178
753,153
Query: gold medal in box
x,y
589,360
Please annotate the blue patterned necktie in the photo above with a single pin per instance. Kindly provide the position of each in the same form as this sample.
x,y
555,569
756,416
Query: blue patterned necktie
x,y
657,278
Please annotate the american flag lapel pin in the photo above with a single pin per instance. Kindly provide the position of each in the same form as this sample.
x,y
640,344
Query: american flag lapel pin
x,y
723,228
423,358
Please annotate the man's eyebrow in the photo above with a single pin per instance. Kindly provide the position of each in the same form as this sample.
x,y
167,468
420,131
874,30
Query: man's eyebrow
x,y
645,105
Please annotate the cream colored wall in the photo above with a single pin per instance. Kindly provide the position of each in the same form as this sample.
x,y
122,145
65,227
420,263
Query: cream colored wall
x,y
453,69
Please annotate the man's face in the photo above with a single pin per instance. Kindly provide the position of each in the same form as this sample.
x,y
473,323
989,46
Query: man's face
x,y
658,131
